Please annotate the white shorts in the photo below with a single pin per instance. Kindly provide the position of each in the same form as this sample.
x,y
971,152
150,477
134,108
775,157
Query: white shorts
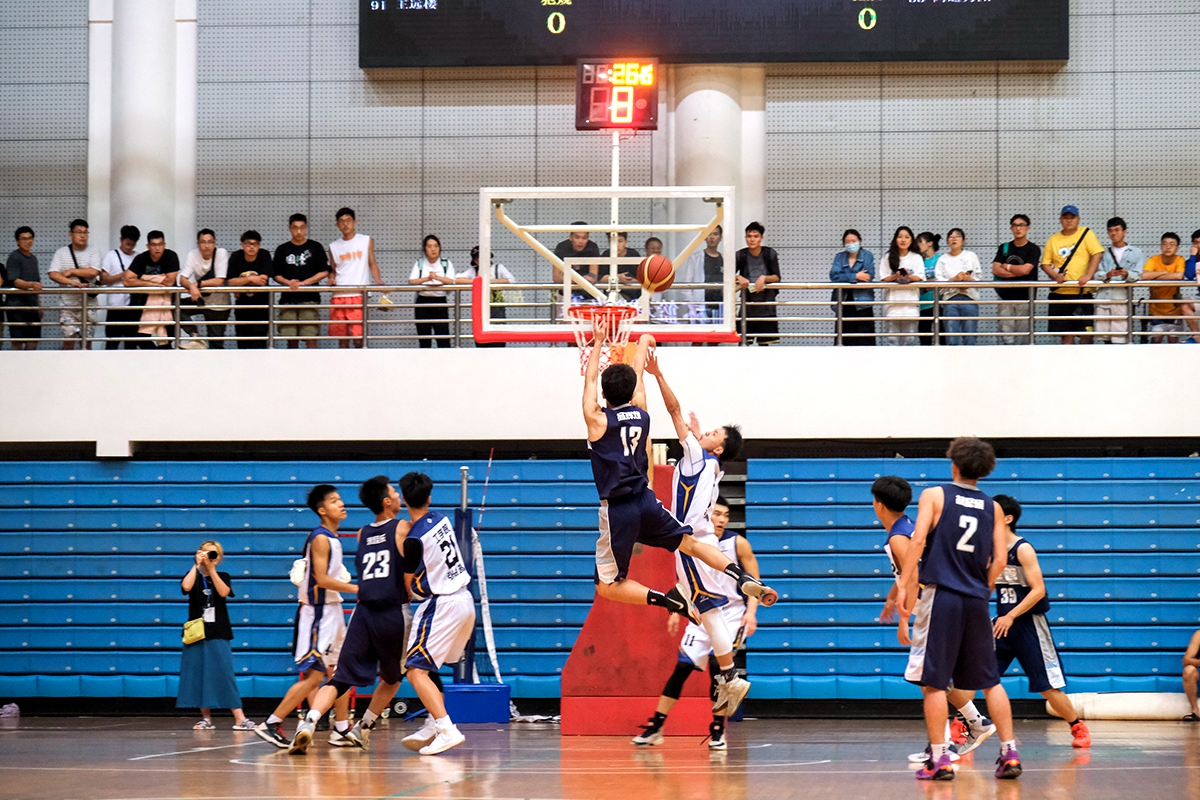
x,y
69,318
320,631
696,647
440,630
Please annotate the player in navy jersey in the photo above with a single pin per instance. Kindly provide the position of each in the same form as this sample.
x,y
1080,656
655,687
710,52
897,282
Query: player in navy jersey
x,y
629,511
1021,629
374,643
892,495
958,540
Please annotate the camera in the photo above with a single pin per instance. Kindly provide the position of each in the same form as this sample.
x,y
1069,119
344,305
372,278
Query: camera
x,y
212,555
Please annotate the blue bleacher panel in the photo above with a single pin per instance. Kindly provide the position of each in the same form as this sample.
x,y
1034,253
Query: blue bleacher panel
x,y
92,554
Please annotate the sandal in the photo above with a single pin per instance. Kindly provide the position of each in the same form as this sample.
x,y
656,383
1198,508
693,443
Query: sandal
x,y
1191,718
204,724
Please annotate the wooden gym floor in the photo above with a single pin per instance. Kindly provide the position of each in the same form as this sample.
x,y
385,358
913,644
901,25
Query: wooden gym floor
x,y
96,758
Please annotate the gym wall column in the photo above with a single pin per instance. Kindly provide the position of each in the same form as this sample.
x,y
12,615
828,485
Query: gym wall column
x,y
154,73
99,161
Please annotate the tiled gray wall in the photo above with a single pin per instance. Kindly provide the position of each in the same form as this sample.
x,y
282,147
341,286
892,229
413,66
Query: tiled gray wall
x,y
43,120
288,122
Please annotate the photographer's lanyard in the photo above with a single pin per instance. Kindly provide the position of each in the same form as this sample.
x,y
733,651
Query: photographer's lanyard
x,y
210,613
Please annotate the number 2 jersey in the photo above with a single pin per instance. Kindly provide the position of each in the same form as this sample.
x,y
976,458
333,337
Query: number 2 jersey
x,y
619,462
1012,587
432,556
959,547
380,565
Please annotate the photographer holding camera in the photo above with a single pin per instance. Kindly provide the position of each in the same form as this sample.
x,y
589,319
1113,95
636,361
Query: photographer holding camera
x,y
206,677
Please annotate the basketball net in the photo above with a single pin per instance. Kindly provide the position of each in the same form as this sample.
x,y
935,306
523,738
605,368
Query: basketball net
x,y
612,349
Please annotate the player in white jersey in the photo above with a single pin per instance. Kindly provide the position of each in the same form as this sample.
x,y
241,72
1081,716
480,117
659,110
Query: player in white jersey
x,y
739,615
437,575
697,482
320,623
353,263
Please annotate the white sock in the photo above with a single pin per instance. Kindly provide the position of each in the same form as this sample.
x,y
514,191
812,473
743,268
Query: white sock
x,y
313,716
937,751
368,718
970,713
341,725
718,633
443,724
1011,744
273,720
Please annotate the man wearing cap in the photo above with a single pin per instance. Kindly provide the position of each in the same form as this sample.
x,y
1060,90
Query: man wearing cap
x,y
500,274
1071,258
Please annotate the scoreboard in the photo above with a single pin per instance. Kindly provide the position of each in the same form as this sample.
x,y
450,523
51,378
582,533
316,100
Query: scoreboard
x,y
456,33
620,94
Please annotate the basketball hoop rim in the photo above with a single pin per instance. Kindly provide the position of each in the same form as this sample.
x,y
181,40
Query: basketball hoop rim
x,y
587,313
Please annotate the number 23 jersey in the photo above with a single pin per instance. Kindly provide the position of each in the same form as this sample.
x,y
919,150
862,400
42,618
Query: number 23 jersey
x,y
378,562
432,556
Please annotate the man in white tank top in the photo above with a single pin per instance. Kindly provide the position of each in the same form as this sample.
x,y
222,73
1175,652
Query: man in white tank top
x,y
353,260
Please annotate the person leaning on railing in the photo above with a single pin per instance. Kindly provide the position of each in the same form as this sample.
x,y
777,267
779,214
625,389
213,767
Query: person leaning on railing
x,y
432,313
156,268
959,306
1165,311
855,265
757,267
899,268
299,263
77,265
928,245
1120,264
120,318
248,268
23,311
1016,260
1071,258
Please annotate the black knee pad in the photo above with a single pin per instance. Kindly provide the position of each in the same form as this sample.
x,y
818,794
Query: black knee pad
x,y
674,686
341,687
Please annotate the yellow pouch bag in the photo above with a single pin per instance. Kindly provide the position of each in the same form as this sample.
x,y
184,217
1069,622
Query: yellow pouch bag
x,y
193,630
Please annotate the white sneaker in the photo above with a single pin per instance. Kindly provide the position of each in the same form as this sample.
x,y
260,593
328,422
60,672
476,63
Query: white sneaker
x,y
303,738
339,739
976,733
716,736
427,733
649,737
730,695
445,740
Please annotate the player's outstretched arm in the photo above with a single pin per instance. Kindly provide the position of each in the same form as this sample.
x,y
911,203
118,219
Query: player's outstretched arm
x,y
749,562
593,414
1037,589
645,344
669,398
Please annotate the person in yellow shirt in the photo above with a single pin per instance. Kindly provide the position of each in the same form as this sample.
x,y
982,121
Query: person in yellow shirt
x,y
1164,308
1071,258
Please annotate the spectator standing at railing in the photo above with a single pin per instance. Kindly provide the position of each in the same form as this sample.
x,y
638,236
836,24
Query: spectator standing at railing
x,y
250,267
1120,264
1166,266
757,268
1189,274
120,319
899,268
960,307
856,266
500,275
1071,258
578,244
1016,261
75,266
23,311
928,245
156,268
626,273
432,315
353,263
298,263
206,267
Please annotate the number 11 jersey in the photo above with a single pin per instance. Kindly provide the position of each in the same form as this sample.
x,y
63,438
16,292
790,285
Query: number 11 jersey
x,y
959,547
441,569
619,462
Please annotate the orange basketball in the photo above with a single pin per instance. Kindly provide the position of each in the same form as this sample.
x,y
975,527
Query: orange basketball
x,y
656,273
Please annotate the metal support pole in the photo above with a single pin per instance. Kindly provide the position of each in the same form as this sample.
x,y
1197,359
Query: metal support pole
x,y
935,329
83,320
838,341
457,341
463,472
178,312
742,318
366,305
612,235
1128,315
271,321
1031,338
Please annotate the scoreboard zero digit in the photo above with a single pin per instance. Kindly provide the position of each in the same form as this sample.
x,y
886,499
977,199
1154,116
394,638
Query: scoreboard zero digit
x,y
620,94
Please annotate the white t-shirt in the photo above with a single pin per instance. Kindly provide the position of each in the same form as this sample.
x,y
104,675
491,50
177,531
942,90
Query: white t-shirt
x,y
499,272
948,266
902,299
1119,252
115,263
196,267
423,268
88,258
350,263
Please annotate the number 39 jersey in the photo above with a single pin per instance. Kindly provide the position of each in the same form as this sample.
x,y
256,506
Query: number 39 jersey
x,y
380,565
960,545
619,461
442,569
1012,587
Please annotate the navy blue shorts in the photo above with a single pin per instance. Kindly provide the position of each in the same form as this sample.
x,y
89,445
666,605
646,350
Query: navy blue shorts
x,y
1031,644
952,641
374,646
627,521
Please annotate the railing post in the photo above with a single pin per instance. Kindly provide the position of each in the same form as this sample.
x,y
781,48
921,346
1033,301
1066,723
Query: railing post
x,y
366,305
1128,314
742,318
1031,338
83,320
936,320
457,319
838,342
271,320
177,310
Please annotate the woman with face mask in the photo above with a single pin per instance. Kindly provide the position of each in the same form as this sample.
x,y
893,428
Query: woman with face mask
x,y
856,266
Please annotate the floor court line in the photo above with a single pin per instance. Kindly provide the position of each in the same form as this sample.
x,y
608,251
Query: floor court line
x,y
193,750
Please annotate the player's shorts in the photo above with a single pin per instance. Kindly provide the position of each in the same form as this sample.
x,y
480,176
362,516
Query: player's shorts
x,y
374,645
696,645
320,631
349,310
440,630
702,582
626,521
952,642
1029,642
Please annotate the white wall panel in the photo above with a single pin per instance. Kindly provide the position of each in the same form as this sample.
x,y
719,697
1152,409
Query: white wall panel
x,y
366,165
24,14
464,163
817,219
1056,158
939,102
1091,44
366,108
1151,212
253,166
1146,42
845,160
43,168
1040,101
939,210
49,111
1156,100
393,220
251,54
939,160
1158,158
826,103
229,216
252,111
240,12
480,108
48,55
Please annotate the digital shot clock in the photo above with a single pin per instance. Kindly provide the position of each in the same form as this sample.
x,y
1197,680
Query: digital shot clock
x,y
616,94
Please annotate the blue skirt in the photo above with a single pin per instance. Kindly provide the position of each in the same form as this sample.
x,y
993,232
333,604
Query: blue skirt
x,y
206,676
